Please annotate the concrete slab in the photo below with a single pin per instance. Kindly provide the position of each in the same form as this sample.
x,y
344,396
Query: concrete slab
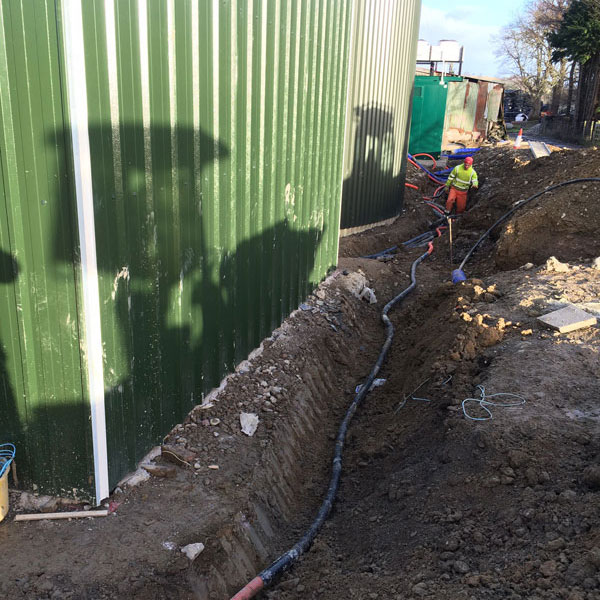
x,y
539,149
569,318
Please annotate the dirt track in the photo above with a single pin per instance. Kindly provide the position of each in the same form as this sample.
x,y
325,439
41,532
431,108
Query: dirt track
x,y
432,504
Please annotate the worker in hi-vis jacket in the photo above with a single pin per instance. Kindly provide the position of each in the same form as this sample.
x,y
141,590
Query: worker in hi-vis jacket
x,y
461,179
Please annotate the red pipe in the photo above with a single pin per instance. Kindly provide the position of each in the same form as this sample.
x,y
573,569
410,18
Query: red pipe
x,y
428,156
435,207
250,589
412,162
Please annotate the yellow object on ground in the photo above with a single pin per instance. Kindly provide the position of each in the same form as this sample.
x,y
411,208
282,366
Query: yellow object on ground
x,y
3,495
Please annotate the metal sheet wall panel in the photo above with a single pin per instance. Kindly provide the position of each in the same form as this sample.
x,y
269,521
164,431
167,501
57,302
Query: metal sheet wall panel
x,y
43,404
428,114
455,104
216,132
470,106
382,67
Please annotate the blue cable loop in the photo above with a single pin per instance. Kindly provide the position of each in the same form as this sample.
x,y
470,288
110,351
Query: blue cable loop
x,y
441,180
7,454
484,403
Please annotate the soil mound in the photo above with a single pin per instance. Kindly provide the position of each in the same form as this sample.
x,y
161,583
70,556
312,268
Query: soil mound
x,y
562,223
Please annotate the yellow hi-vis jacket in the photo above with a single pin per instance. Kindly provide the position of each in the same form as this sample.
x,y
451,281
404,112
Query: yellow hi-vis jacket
x,y
462,179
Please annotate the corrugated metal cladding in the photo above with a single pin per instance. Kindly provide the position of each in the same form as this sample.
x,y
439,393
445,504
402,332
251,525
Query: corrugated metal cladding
x,y
428,113
43,405
215,148
216,134
383,54
471,106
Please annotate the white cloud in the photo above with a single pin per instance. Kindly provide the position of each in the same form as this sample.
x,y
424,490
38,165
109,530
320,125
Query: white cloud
x,y
452,24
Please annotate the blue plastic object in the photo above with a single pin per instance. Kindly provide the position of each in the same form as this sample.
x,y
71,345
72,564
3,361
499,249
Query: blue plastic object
x,y
7,453
458,275
466,150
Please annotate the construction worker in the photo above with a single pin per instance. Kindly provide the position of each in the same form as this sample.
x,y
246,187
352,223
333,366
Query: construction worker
x,y
461,179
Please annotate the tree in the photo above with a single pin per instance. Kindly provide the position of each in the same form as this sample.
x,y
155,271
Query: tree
x,y
527,53
578,38
547,15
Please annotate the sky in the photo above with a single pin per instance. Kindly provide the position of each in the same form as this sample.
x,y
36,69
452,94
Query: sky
x,y
472,25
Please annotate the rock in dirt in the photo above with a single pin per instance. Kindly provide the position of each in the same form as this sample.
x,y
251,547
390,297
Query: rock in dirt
x,y
460,566
553,264
369,295
37,503
591,477
354,283
596,263
166,471
420,589
249,423
549,568
594,558
192,550
177,454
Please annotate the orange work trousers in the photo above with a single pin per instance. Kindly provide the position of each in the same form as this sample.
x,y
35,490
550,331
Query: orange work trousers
x,y
458,196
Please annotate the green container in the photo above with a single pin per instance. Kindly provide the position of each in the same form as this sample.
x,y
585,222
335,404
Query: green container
x,y
428,114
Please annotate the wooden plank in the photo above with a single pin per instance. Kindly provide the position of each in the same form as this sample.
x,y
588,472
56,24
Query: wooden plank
x,y
85,514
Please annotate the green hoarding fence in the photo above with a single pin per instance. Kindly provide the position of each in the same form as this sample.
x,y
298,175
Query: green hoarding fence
x,y
428,114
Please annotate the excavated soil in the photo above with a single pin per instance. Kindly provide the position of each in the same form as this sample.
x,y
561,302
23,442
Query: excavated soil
x,y
433,503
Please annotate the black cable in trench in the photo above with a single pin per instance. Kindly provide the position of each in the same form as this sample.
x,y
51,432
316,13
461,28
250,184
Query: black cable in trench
x,y
284,562
458,274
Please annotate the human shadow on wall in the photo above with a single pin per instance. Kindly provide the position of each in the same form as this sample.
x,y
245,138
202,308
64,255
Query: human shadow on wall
x,y
371,192
186,291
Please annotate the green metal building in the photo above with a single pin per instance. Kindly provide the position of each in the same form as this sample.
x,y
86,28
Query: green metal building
x,y
429,113
170,174
383,54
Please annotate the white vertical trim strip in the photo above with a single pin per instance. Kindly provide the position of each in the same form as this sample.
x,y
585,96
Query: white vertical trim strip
x,y
77,93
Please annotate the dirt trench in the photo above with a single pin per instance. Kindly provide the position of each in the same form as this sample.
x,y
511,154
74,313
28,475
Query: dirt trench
x,y
432,504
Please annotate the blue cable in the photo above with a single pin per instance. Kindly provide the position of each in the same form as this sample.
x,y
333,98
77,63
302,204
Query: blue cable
x,y
7,454
484,403
440,181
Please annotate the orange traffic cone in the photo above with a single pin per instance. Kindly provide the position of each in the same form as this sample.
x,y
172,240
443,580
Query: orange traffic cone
x,y
519,139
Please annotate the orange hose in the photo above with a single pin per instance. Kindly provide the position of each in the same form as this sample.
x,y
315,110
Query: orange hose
x,y
428,156
412,162
250,589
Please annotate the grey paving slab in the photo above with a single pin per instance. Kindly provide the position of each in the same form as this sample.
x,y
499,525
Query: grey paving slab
x,y
568,319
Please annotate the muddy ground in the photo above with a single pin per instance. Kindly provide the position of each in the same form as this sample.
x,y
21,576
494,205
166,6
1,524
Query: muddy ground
x,y
432,503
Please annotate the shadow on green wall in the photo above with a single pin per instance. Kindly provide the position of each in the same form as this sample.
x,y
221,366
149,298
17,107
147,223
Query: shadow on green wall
x,y
371,192
184,294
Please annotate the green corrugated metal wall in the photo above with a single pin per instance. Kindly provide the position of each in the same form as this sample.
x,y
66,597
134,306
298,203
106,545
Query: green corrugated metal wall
x,y
43,404
216,154
216,132
383,54
429,113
